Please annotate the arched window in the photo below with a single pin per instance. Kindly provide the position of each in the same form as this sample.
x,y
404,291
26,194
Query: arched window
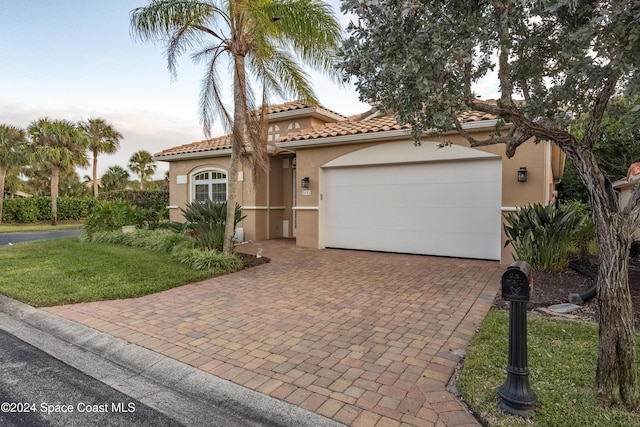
x,y
293,126
209,185
273,133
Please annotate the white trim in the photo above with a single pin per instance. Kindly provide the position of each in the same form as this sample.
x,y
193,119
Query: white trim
x,y
197,155
509,209
305,208
204,154
172,207
261,207
377,136
311,111
202,169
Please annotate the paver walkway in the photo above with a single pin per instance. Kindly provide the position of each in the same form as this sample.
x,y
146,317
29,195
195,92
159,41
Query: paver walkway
x,y
367,339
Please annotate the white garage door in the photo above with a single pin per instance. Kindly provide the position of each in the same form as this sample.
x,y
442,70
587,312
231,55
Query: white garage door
x,y
448,208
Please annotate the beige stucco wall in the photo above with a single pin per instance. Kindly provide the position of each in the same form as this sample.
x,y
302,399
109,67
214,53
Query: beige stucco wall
x,y
269,205
537,189
625,195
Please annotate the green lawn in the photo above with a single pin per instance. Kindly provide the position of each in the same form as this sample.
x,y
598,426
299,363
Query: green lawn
x,y
19,228
562,360
63,271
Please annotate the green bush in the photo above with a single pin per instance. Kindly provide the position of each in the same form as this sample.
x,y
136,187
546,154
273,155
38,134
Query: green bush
x,y
180,246
542,235
112,215
32,209
22,210
153,200
205,222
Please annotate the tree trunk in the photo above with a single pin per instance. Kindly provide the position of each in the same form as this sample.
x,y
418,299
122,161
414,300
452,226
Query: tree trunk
x,y
95,174
3,174
55,179
616,373
237,142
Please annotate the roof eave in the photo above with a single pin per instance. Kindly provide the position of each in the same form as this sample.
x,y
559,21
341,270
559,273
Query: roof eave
x,y
378,136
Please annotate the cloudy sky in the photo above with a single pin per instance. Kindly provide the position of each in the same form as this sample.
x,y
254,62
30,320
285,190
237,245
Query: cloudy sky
x,y
76,60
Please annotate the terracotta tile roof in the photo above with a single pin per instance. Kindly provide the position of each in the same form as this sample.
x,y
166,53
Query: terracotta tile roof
x,y
213,144
357,125
296,105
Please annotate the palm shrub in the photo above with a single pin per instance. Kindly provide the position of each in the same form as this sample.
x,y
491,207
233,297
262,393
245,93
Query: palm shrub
x,y
205,222
541,235
112,215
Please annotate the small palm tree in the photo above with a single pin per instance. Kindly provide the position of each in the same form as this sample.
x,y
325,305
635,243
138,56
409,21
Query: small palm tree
x,y
58,144
12,153
265,38
142,163
103,138
115,178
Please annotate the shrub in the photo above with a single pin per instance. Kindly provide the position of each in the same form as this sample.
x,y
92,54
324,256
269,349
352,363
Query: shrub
x,y
32,209
112,215
541,235
23,210
180,246
205,222
154,200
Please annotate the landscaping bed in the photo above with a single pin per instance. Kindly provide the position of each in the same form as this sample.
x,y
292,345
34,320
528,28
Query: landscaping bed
x,y
550,289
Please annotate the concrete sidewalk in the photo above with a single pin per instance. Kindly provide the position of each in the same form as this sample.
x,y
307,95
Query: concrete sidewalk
x,y
365,339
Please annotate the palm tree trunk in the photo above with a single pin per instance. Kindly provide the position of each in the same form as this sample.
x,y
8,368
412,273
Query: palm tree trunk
x,y
55,179
237,142
3,174
95,173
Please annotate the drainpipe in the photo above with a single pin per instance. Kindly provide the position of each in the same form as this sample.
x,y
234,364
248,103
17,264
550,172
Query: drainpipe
x,y
269,200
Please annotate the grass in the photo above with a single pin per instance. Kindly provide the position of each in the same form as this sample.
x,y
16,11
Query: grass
x,y
20,228
562,360
64,271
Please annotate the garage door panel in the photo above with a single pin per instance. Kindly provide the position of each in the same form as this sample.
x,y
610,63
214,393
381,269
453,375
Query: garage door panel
x,y
449,209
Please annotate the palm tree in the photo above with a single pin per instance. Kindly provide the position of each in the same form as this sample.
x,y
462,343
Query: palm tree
x,y
58,144
12,153
142,163
115,178
103,138
261,37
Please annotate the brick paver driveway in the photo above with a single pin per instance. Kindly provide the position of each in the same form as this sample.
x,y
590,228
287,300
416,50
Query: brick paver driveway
x,y
368,339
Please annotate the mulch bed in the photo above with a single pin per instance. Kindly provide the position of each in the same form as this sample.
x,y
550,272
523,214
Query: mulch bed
x,y
550,289
249,261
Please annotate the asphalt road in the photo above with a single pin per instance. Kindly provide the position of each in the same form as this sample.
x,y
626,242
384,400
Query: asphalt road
x,y
37,390
12,238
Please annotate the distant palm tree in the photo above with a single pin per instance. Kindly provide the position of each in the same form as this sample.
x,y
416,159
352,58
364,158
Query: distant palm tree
x,y
142,163
115,178
12,153
103,138
266,38
57,144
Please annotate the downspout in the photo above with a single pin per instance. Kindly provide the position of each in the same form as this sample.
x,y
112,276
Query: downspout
x,y
269,201
589,293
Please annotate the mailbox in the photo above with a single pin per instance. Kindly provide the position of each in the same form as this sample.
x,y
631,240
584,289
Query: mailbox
x,y
517,282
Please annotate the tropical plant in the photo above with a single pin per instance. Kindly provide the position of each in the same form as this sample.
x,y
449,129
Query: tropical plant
x,y
110,215
420,60
206,222
141,163
115,178
542,235
103,138
12,153
59,145
263,38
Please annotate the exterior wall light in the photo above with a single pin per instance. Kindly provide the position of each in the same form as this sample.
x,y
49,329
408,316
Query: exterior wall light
x,y
304,182
522,174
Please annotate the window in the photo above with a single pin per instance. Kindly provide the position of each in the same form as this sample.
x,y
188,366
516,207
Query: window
x,y
273,133
210,185
293,126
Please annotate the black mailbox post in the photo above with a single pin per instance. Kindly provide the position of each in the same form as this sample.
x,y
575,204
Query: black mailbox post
x,y
516,395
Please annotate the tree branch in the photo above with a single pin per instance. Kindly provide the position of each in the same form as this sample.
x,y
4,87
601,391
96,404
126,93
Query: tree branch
x,y
595,124
506,85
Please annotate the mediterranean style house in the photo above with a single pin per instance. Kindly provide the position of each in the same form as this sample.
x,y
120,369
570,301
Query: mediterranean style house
x,y
625,187
361,182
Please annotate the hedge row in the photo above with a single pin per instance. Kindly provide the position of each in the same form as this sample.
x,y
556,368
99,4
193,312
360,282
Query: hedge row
x,y
33,209
156,200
